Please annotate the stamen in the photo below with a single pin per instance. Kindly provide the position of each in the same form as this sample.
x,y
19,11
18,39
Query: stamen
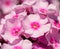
x,y
35,25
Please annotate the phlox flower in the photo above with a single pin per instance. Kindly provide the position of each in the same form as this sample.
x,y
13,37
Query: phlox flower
x,y
53,37
8,5
56,24
23,44
12,33
13,27
35,26
40,7
56,45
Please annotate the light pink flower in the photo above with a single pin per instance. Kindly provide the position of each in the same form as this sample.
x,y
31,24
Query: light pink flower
x,y
13,27
8,5
56,45
40,7
35,26
23,44
14,15
13,33
53,37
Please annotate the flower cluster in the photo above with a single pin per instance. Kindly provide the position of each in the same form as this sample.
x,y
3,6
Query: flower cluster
x,y
29,24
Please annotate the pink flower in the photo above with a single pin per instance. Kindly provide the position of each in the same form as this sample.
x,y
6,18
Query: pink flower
x,y
8,5
35,26
13,27
40,6
23,44
56,45
12,34
56,24
53,37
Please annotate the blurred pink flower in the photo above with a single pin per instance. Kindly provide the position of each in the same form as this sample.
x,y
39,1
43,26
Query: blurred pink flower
x,y
23,44
8,5
56,45
39,6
